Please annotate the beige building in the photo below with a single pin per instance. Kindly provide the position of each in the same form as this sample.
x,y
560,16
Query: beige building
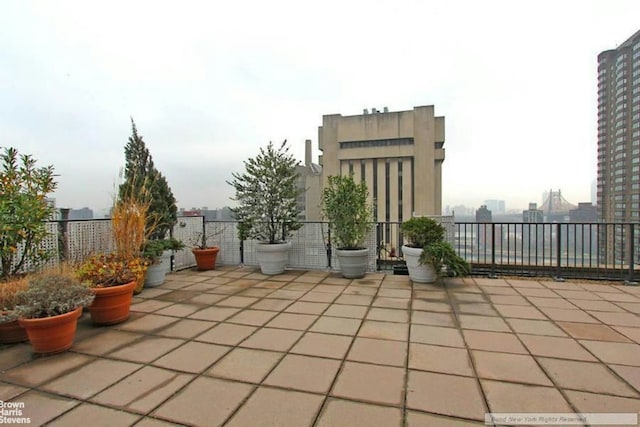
x,y
309,185
398,154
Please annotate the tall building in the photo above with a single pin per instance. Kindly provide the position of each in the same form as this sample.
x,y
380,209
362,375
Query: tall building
x,y
398,154
533,214
483,214
618,181
308,184
496,206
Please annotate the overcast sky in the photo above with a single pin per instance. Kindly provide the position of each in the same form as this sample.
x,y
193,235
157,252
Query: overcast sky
x,y
210,82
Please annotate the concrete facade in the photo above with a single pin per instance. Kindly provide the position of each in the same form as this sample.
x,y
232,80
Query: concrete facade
x,y
398,154
309,184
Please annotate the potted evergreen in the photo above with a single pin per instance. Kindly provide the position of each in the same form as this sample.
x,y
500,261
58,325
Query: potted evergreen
x,y
266,194
427,254
345,206
49,311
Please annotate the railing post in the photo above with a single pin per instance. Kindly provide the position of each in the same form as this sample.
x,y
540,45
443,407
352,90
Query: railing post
x,y
329,246
63,238
629,280
558,277
493,274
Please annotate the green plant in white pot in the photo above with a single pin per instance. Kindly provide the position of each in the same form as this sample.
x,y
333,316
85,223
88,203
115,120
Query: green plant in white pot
x,y
345,205
266,194
427,254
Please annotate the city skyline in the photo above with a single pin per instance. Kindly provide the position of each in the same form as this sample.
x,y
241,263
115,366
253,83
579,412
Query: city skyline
x,y
208,85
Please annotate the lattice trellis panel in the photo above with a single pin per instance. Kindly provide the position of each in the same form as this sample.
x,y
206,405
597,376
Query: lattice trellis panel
x,y
187,231
225,235
49,244
88,237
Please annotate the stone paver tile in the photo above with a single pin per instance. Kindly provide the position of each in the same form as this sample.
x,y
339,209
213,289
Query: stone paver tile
x,y
518,368
563,348
252,317
354,299
354,414
271,304
217,314
226,333
147,324
306,307
371,383
577,294
323,345
206,299
330,288
631,333
384,330
568,315
99,416
594,305
632,307
178,296
559,285
153,292
226,289
91,378
585,376
41,408
435,295
542,293
245,364
382,352
367,291
271,407
342,310
493,341
483,323
304,373
476,308
237,301
105,342
520,312
434,319
269,284
420,419
448,360
509,300
388,315
336,325
150,305
272,339
395,293
9,391
551,302
599,403
505,397
466,297
487,281
617,319
445,394
186,328
154,422
296,286
202,286
524,283
285,294
147,349
44,369
387,302
292,321
436,335
614,352
313,296
255,292
179,310
630,374
441,307
536,327
192,357
618,297
15,355
220,397
499,290
589,331
143,390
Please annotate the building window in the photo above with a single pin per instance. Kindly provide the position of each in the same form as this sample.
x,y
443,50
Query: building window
x,y
350,167
377,143
387,200
362,171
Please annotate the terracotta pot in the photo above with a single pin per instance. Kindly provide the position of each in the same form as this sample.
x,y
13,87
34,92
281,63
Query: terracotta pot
x,y
50,335
112,304
206,258
12,332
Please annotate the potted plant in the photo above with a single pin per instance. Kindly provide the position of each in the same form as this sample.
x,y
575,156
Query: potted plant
x,y
345,206
204,253
266,194
49,311
158,254
427,254
113,280
10,297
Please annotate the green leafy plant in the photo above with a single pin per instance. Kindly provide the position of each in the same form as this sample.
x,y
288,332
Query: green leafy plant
x,y
345,206
23,211
153,249
52,295
428,234
104,270
266,194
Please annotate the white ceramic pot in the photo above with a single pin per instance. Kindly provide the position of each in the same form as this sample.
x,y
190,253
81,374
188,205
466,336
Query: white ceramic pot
x,y
353,262
418,273
272,257
155,275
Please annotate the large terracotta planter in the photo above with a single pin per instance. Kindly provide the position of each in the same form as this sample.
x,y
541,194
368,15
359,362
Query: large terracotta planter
x,y
50,335
12,332
112,304
206,258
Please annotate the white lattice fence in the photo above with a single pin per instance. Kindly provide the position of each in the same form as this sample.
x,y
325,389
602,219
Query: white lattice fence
x,y
88,237
49,244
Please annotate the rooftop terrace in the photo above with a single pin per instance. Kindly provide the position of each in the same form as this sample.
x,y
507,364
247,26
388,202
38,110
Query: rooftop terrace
x,y
234,347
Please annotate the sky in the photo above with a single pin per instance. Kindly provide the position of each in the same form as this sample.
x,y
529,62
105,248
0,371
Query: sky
x,y
209,82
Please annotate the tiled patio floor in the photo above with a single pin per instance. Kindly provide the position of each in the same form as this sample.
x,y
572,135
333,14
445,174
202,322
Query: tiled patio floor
x,y
237,348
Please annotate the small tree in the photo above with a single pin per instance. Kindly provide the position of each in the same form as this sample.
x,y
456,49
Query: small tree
x,y
23,211
266,193
141,178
